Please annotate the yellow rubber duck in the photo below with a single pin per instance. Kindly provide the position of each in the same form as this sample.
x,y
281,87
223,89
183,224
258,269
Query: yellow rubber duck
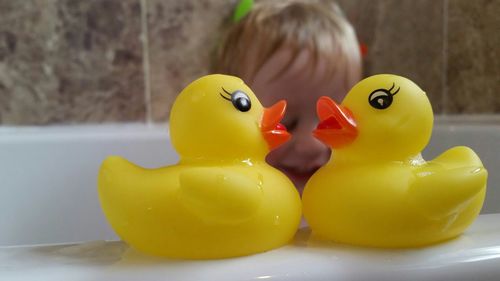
x,y
376,190
222,199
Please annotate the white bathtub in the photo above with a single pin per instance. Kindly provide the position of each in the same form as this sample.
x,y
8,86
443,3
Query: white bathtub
x,y
48,196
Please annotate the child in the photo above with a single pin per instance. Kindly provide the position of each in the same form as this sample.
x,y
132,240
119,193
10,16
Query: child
x,y
297,50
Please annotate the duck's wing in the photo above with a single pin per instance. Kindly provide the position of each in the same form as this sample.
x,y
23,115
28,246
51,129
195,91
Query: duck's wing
x,y
444,185
219,195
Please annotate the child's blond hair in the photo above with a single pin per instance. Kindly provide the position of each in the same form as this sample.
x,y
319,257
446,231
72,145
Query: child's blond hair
x,y
316,25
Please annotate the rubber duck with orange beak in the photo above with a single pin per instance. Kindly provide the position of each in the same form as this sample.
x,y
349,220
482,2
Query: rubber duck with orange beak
x,y
222,199
377,190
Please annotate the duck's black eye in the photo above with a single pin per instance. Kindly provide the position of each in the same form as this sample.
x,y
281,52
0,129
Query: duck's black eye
x,y
241,101
380,99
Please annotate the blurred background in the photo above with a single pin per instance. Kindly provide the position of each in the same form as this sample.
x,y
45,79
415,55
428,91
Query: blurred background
x,y
119,61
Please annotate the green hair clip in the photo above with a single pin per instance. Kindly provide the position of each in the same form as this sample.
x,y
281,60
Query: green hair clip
x,y
242,9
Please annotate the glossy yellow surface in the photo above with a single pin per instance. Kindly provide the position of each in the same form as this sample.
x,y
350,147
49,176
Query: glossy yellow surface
x,y
377,190
221,199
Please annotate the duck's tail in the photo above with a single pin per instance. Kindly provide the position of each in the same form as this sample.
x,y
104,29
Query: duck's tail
x,y
117,171
445,185
117,183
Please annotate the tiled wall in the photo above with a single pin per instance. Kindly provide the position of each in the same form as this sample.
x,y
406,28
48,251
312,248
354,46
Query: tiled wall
x,y
95,61
451,48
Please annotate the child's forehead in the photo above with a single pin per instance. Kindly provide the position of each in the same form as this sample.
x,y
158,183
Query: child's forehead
x,y
298,65
302,81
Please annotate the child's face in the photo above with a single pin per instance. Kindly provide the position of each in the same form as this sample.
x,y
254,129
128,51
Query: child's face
x,y
300,85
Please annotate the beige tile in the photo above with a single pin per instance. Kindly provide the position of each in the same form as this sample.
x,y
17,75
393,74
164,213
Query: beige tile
x,y
473,57
70,62
404,37
182,37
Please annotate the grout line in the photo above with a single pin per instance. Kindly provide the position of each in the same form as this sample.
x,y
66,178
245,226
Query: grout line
x,y
444,76
145,61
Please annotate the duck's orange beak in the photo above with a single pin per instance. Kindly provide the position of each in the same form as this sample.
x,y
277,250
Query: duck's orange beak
x,y
273,131
337,127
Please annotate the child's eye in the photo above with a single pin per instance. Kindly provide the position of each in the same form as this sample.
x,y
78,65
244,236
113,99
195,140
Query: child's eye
x,y
290,124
